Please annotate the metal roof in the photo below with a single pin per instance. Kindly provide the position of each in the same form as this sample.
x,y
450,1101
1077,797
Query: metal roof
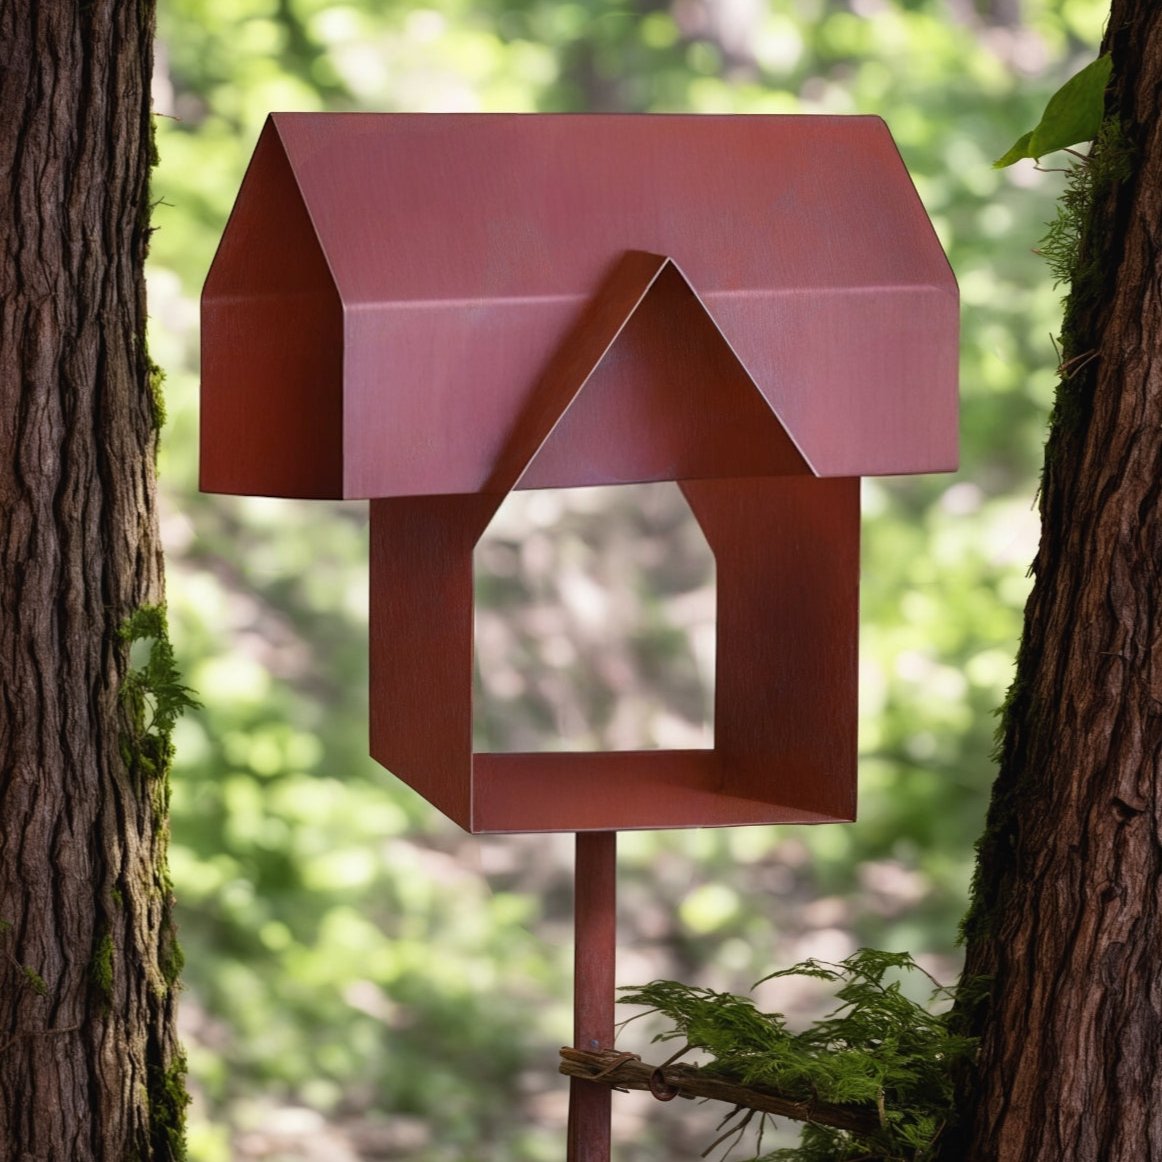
x,y
399,301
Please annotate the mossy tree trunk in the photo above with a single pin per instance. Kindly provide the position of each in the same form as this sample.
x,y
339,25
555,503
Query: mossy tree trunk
x,y
90,1067
1067,912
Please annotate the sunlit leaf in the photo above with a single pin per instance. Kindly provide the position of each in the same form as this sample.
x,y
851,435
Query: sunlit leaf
x,y
1073,115
1019,150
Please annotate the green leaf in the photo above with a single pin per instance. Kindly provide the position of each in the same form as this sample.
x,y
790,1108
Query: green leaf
x,y
1019,150
1074,114
1075,111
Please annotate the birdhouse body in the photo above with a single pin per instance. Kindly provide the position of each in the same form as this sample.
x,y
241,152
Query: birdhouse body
x,y
787,553
430,311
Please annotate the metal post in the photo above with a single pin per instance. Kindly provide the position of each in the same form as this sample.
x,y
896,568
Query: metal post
x,y
595,950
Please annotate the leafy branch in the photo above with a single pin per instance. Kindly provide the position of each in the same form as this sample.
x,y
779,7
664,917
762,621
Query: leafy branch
x,y
873,1079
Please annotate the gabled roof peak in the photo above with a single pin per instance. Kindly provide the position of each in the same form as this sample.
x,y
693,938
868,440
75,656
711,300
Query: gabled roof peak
x,y
645,387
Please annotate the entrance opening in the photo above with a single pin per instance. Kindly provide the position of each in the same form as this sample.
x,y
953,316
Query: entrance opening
x,y
595,623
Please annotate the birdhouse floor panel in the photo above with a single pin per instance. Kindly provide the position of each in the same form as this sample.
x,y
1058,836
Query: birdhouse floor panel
x,y
618,790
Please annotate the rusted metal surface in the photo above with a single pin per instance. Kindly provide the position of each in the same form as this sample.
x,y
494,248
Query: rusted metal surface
x,y
644,357
391,288
787,551
434,310
594,958
430,311
272,349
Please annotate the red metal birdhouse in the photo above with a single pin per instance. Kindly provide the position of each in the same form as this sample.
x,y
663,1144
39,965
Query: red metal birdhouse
x,y
431,311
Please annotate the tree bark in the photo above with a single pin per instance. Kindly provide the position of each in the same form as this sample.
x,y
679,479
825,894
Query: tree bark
x,y
90,1067
1064,940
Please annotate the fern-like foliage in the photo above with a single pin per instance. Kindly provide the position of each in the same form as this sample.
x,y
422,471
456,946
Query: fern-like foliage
x,y
877,1050
1109,160
152,690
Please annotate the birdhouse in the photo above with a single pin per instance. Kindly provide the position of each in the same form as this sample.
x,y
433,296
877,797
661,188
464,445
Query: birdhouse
x,y
430,311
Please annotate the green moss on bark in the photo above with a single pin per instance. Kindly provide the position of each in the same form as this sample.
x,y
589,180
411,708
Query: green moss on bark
x,y
1077,238
154,697
101,967
168,1100
1073,246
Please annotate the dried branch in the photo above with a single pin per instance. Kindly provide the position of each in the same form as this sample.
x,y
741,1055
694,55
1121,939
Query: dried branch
x,y
623,1071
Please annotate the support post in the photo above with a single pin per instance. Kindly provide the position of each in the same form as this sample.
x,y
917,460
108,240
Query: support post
x,y
595,950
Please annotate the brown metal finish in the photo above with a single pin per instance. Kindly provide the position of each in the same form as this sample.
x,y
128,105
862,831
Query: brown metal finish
x,y
272,342
787,552
390,289
430,311
434,310
650,359
788,631
594,958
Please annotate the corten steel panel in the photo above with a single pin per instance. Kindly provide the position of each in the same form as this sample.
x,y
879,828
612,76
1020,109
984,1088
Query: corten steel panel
x,y
421,625
594,989
786,688
273,349
787,549
786,692
463,249
668,400
432,311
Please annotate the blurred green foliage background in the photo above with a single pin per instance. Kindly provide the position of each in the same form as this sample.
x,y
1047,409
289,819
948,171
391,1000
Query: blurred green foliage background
x,y
362,980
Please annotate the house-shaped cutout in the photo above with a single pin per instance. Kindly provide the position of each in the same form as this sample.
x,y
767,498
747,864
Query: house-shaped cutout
x,y
594,622
433,311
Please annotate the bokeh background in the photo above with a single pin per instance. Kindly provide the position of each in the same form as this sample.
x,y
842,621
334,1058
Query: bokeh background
x,y
362,980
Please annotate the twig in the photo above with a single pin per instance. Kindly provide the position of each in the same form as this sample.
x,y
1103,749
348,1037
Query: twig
x,y
691,1082
734,1131
1072,366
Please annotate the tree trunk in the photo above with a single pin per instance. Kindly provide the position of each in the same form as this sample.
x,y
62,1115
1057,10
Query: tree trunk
x,y
89,1062
1065,934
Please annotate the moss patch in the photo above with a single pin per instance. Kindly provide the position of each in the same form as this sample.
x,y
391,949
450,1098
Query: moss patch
x,y
157,395
101,967
154,697
168,1100
1076,247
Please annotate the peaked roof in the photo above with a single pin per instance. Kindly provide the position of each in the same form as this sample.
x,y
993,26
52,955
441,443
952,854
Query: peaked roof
x,y
392,289
646,358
